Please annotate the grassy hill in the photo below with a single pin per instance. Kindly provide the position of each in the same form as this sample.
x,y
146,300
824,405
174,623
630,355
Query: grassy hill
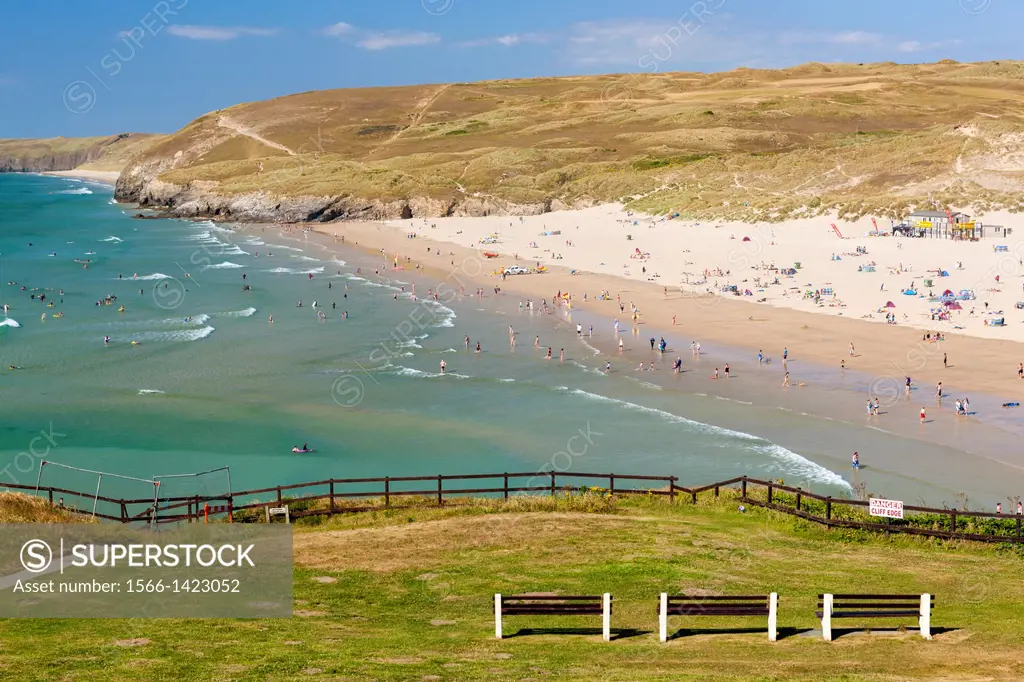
x,y
110,153
861,138
407,595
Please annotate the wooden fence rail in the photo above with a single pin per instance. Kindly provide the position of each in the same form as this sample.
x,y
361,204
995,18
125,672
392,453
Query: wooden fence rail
x,y
767,494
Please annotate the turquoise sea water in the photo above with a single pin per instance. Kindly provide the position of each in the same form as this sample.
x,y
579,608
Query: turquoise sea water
x,y
213,383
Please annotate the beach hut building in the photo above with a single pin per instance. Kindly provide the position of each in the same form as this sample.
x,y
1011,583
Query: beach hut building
x,y
937,224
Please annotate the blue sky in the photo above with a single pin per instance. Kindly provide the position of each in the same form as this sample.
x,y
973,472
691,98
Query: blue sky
x,y
74,68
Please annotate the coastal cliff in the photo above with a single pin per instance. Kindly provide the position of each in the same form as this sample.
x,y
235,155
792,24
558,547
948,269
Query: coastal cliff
x,y
754,145
112,152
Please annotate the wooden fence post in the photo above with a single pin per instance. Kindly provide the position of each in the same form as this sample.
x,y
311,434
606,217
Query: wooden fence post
x,y
611,483
716,491
743,487
952,521
769,493
828,510
693,497
51,497
672,490
1018,526
552,484
440,500
231,508
798,499
387,491
279,496
505,489
332,496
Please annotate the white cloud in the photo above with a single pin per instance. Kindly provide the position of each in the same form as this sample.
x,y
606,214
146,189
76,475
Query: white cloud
x,y
839,38
918,46
650,44
379,40
383,40
339,29
509,40
854,38
218,32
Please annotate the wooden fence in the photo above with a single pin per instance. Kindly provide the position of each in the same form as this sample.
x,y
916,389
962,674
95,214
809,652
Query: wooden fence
x,y
320,498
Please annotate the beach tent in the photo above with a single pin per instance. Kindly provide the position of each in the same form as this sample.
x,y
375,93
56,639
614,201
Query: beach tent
x,y
953,305
909,292
944,274
890,304
746,239
947,292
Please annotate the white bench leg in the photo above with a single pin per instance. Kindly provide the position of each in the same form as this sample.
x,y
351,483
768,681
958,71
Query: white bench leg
x,y
606,617
663,618
925,622
497,616
773,613
826,618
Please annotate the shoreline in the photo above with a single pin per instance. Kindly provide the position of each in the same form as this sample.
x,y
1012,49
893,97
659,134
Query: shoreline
x,y
102,177
888,353
936,461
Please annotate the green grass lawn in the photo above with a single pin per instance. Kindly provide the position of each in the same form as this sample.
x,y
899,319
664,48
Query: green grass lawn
x,y
408,595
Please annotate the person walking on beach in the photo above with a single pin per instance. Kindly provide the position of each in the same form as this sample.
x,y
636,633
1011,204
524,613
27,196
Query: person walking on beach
x,y
1020,370
760,359
852,351
923,415
785,356
785,381
444,366
620,344
579,331
938,390
548,356
467,343
877,408
561,355
477,346
855,461
536,342
945,361
871,409
727,370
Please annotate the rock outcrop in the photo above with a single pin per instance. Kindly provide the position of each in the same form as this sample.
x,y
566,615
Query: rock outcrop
x,y
139,184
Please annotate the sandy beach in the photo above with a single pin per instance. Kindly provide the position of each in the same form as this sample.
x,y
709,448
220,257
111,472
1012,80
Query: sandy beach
x,y
971,356
106,177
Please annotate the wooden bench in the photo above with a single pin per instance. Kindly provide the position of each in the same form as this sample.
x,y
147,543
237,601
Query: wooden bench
x,y
535,605
683,605
875,606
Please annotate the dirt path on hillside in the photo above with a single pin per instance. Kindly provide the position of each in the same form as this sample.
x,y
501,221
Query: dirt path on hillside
x,y
225,122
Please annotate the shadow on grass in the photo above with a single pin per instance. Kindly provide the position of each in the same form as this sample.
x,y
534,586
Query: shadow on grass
x,y
848,632
617,633
781,633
